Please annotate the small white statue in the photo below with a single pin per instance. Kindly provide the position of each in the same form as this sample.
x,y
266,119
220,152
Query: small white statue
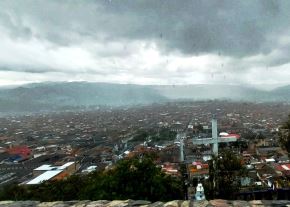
x,y
199,194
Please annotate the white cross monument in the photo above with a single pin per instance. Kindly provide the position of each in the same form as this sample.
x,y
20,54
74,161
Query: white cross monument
x,y
214,140
180,137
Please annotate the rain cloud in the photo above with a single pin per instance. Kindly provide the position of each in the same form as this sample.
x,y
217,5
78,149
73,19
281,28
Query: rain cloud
x,y
145,41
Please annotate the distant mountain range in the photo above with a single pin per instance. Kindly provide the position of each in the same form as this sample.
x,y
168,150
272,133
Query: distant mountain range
x,y
50,96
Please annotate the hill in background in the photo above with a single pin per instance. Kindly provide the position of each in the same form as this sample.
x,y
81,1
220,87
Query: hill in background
x,y
72,95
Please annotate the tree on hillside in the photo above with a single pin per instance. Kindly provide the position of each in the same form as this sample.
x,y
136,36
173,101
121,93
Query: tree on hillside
x,y
284,135
162,134
14,192
225,172
141,135
135,178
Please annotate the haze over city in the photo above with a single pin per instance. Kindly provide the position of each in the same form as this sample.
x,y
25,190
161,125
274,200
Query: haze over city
x,y
144,103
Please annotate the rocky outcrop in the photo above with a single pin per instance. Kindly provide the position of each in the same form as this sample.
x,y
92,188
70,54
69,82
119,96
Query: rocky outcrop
x,y
142,203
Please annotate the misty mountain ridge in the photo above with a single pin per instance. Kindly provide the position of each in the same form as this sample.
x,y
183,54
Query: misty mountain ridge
x,y
49,96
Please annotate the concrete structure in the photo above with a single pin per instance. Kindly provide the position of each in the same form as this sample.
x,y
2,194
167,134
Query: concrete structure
x,y
49,172
181,137
90,169
214,140
48,175
135,203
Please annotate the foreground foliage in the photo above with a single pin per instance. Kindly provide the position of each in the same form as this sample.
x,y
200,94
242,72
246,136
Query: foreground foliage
x,y
163,134
135,178
225,172
284,135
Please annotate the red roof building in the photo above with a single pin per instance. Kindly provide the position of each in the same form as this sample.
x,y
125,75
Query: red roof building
x,y
24,151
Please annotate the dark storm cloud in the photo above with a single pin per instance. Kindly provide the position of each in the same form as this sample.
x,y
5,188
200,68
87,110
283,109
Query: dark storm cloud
x,y
40,36
234,28
26,69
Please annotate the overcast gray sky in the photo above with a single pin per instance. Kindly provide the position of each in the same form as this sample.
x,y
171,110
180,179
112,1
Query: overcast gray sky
x,y
145,41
